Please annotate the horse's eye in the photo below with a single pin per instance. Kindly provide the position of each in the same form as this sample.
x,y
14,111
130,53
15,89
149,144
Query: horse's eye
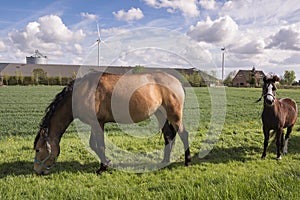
x,y
274,88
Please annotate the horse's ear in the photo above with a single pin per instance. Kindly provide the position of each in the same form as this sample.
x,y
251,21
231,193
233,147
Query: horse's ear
x,y
265,78
276,78
44,132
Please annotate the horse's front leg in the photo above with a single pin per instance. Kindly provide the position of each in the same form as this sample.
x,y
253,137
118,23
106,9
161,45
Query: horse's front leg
x,y
98,145
266,141
279,138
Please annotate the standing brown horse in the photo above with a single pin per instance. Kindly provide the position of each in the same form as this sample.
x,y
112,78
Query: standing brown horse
x,y
278,113
98,98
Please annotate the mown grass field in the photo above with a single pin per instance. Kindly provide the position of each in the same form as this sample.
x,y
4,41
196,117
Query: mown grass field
x,y
232,170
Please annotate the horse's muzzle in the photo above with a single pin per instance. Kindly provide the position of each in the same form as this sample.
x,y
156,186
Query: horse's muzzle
x,y
40,170
269,100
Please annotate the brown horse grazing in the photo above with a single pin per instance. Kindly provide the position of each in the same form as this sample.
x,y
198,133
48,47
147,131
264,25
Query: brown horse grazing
x,y
98,98
278,113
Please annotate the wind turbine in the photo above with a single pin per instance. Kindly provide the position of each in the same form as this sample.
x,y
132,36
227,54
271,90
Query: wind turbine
x,y
98,41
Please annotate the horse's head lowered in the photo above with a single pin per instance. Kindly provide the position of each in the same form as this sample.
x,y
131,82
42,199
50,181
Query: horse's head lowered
x,y
269,89
45,156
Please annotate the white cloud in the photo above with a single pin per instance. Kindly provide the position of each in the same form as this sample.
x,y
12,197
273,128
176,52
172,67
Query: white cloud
x,y
89,16
54,30
2,46
265,12
249,47
293,59
47,29
189,8
130,15
208,4
219,31
287,38
48,34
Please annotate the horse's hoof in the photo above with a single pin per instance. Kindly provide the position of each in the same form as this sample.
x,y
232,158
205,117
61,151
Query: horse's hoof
x,y
285,151
100,171
188,162
278,158
165,162
103,167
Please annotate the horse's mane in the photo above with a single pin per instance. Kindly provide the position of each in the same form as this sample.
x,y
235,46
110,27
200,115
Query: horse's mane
x,y
45,122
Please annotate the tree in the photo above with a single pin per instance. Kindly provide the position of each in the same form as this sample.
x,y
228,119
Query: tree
x,y
289,77
229,78
39,75
6,77
138,69
22,77
60,79
195,79
18,75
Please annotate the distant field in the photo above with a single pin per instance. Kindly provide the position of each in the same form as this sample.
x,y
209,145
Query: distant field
x,y
232,170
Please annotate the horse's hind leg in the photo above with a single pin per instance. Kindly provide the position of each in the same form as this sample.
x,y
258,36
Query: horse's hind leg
x,y
184,136
169,136
98,146
286,141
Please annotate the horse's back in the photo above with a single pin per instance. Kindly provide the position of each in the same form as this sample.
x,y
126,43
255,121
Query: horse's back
x,y
129,98
291,109
290,102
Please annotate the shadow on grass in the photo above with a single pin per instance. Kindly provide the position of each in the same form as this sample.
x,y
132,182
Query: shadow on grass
x,y
216,156
245,153
294,144
226,155
25,168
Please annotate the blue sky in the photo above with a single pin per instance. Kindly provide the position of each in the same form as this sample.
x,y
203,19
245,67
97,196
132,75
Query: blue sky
x,y
172,33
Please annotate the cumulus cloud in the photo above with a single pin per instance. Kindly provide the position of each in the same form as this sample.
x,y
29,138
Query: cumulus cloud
x,y
287,38
266,12
293,59
221,30
249,47
48,34
47,29
189,8
208,4
89,16
130,15
2,46
54,30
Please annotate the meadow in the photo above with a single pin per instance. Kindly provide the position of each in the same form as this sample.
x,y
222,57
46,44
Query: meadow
x,y
231,170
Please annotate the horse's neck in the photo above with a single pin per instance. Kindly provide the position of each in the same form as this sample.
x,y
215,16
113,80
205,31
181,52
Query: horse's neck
x,y
61,119
273,109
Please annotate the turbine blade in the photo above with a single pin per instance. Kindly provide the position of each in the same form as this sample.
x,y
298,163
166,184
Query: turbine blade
x,y
98,31
103,42
94,44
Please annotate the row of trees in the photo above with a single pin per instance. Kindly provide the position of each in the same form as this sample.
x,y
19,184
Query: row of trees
x,y
38,77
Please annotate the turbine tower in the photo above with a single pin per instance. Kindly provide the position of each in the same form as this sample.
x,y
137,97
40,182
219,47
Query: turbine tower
x,y
223,61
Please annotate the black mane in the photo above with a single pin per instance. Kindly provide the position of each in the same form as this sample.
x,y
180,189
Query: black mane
x,y
52,107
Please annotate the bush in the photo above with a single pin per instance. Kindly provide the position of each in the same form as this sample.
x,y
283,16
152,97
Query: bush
x,y
45,81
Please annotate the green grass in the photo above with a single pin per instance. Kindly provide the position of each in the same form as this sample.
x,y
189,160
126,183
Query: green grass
x,y
232,170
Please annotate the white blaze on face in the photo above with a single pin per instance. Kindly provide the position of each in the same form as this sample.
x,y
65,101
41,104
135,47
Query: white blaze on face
x,y
270,95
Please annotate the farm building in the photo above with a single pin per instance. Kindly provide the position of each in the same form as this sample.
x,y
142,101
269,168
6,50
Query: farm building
x,y
55,70
246,78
